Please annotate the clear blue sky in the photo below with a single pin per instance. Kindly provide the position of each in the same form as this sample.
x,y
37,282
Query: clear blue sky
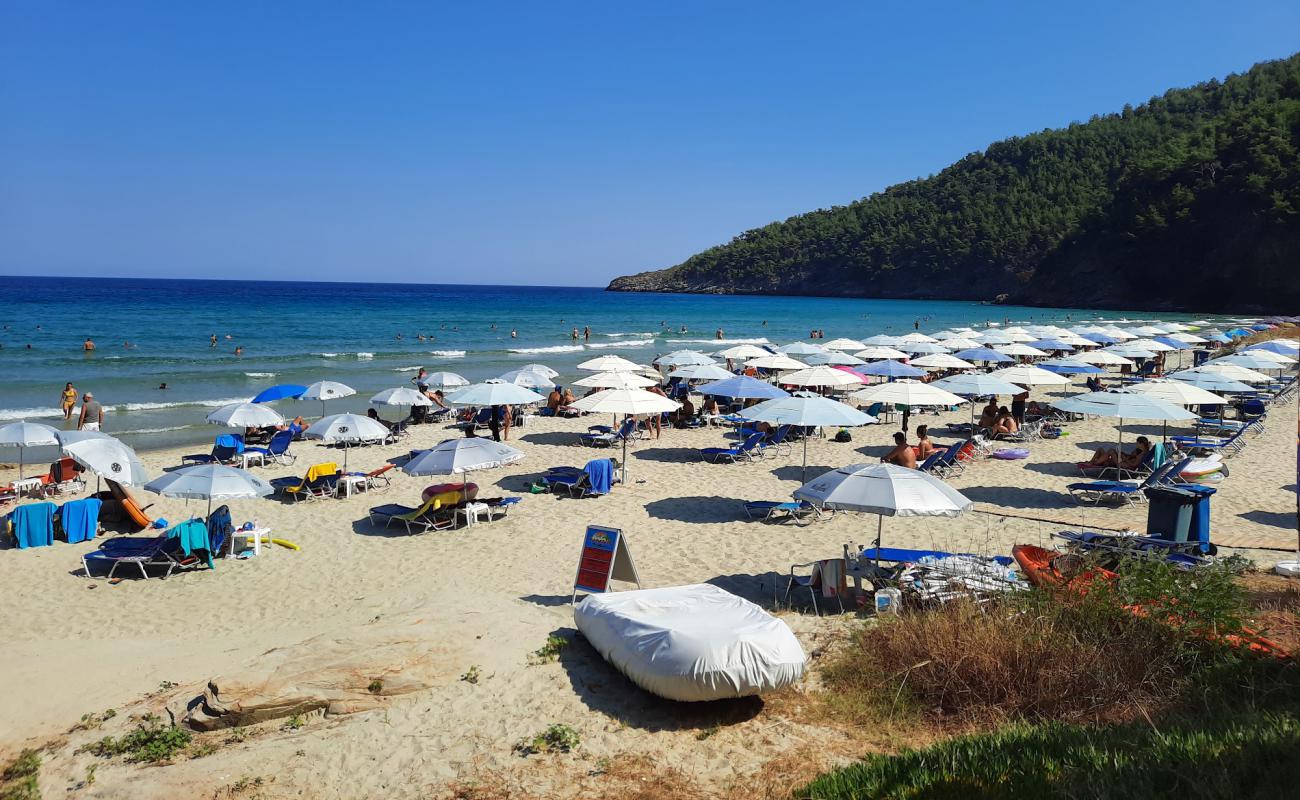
x,y
540,142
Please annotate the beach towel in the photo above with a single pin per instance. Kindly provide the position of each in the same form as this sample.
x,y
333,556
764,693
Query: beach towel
x,y
80,519
220,526
832,575
318,471
600,474
1158,455
192,535
230,441
33,525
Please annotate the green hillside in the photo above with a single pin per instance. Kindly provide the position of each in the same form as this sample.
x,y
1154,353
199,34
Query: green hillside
x,y
1191,200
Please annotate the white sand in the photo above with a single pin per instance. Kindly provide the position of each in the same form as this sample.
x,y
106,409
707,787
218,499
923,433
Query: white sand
x,y
74,645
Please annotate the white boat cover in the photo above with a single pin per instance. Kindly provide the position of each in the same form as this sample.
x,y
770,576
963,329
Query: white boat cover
x,y
691,643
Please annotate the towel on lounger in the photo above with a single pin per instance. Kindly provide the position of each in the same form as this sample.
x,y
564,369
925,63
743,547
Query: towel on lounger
x,y
33,525
80,519
600,474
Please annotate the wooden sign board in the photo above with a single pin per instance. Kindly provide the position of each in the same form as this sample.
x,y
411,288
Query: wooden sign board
x,y
605,557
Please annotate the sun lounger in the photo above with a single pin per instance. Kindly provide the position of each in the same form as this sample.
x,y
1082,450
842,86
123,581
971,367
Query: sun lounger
x,y
1123,492
188,545
1229,446
319,482
277,449
424,516
226,449
79,519
750,450
32,525
800,511
603,436
901,555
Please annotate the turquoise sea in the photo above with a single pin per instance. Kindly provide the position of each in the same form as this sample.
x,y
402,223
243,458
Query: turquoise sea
x,y
367,336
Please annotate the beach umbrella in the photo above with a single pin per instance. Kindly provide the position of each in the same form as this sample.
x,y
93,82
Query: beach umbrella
x,y
1178,392
844,344
245,415
743,351
1235,372
107,458
886,490
609,364
941,361
1129,351
1019,350
807,412
878,352
626,401
1102,357
776,362
1069,366
948,334
977,384
890,369
616,380
451,380
907,393
1187,338
832,358
961,343
23,435
528,378
922,348
917,338
743,387
1052,344
279,392
542,368
883,339
494,394
984,354
800,349
1172,343
347,429
1150,344
1148,330
821,376
700,372
1029,375
327,390
1282,347
209,482
994,337
684,358
400,396
1210,381
1101,338
1250,361
461,456
1122,406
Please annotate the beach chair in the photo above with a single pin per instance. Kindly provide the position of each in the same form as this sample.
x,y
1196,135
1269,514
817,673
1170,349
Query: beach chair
x,y
593,480
1124,492
319,482
79,519
1120,473
424,516
64,477
928,464
31,525
800,511
750,450
277,449
1230,446
819,574
604,436
376,479
779,442
188,545
226,449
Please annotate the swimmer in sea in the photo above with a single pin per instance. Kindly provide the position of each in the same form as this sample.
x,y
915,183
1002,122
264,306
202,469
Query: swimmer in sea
x,y
239,351
162,386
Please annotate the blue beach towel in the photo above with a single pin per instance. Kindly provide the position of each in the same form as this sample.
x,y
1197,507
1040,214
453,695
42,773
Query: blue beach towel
x,y
600,473
1158,456
192,535
33,525
80,519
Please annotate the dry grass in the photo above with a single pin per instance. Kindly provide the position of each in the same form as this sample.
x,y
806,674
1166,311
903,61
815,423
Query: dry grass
x,y
1274,601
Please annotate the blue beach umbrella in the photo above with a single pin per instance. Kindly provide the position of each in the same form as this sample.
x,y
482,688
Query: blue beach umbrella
x,y
743,387
1068,366
1052,344
279,392
985,354
890,369
1099,338
1279,347
1174,343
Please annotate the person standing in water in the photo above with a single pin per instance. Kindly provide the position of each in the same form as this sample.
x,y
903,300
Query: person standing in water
x,y
92,413
586,333
68,400
213,341
88,346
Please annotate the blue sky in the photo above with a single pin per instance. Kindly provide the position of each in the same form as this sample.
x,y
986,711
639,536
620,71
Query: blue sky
x,y
542,142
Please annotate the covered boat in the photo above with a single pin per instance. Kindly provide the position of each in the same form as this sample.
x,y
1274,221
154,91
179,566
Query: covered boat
x,y
691,643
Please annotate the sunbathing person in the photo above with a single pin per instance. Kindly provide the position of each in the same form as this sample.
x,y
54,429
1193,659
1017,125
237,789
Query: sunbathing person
x,y
924,446
903,455
1005,424
553,401
710,406
373,414
1110,457
989,415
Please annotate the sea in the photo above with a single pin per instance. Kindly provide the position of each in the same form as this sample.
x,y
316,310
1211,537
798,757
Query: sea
x,y
373,336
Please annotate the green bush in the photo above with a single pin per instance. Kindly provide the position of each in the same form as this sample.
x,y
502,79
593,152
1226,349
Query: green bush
x,y
20,779
557,738
151,742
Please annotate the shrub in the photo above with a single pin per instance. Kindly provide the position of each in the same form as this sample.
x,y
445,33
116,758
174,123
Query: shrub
x,y
551,650
557,738
151,742
20,779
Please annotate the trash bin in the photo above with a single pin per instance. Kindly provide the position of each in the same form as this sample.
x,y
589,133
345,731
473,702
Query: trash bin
x,y
1199,357
1169,513
1199,530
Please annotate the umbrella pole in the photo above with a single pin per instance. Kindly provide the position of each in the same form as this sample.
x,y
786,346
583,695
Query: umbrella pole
x,y
623,480
805,459
880,525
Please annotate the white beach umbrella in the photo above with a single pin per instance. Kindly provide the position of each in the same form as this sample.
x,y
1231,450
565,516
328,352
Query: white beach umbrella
x,y
977,384
961,343
1128,351
700,372
451,380
400,396
1018,350
1234,372
1029,375
1102,358
1210,381
609,364
880,353
626,401
209,482
245,415
347,430
775,362
327,390
616,380
917,337
807,412
882,339
821,376
832,357
528,378
994,337
107,458
684,358
886,490
1255,361
1187,338
18,437
1177,392
743,351
941,361
1268,355
460,456
906,392
844,344
1124,405
1150,344
923,348
800,349
494,394
542,368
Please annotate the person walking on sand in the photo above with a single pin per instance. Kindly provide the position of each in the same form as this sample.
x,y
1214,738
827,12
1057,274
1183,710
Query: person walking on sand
x,y
68,400
654,422
92,413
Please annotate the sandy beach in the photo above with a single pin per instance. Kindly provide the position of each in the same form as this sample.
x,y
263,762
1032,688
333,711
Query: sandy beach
x,y
493,593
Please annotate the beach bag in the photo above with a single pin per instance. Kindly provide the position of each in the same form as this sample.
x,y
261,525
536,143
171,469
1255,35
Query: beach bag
x,y
843,436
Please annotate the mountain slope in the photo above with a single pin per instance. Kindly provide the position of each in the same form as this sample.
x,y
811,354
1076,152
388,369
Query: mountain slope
x,y
1191,200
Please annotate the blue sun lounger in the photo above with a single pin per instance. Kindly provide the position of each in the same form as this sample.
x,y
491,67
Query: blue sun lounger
x,y
1098,492
751,449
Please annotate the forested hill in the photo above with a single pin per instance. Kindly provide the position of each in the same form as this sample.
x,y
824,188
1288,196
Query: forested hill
x,y
1190,201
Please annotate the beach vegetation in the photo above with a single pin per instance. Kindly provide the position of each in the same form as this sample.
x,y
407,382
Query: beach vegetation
x,y
550,651
151,742
375,686
20,778
557,738
471,675
293,723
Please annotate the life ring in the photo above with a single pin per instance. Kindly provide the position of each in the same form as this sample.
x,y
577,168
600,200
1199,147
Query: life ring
x,y
1011,453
